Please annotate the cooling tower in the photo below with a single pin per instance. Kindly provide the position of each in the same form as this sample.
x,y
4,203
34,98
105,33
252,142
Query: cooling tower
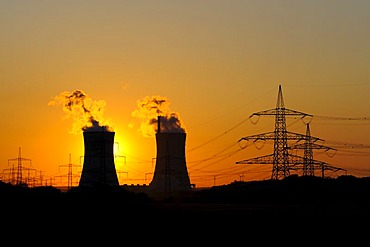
x,y
98,167
170,174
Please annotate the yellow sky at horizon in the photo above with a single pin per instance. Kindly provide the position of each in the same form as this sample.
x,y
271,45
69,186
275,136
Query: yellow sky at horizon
x,y
217,62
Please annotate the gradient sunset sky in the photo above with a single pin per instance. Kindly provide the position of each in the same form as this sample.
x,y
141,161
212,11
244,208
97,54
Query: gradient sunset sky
x,y
213,63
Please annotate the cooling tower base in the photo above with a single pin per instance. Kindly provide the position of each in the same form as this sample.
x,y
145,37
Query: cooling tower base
x,y
170,177
98,167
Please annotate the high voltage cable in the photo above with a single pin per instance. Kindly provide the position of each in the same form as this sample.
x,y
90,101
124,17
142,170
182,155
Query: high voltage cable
x,y
224,156
216,156
232,110
236,169
237,125
218,153
344,118
330,85
212,175
215,138
344,145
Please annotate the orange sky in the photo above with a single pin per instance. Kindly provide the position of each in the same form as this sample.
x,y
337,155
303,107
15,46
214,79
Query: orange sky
x,y
214,62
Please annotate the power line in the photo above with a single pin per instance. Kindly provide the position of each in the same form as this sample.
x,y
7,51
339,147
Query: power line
x,y
344,118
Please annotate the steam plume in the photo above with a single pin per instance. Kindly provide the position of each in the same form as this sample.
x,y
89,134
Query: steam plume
x,y
148,110
87,114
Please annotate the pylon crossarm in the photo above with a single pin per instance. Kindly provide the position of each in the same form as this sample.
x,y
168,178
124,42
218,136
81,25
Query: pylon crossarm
x,y
264,136
326,166
312,146
272,136
284,111
297,160
296,136
295,167
289,112
266,112
266,159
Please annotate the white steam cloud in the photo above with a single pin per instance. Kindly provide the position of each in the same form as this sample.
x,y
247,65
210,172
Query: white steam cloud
x,y
87,114
149,109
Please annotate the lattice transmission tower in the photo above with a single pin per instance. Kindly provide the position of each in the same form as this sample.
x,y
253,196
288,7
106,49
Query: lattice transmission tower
x,y
282,161
18,179
310,165
70,172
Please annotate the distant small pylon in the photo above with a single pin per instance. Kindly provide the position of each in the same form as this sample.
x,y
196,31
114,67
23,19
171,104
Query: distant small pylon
x,y
18,179
70,172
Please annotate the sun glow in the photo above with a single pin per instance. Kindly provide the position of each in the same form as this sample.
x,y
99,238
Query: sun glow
x,y
120,151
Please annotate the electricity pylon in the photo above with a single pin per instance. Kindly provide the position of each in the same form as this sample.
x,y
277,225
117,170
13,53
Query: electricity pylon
x,y
70,175
310,165
283,161
280,159
19,174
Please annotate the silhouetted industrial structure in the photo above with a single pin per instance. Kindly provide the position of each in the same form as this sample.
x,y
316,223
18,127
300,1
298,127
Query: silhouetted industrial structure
x,y
310,165
70,174
282,161
170,174
98,166
19,174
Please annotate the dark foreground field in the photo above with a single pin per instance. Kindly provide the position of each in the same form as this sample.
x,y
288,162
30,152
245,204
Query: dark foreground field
x,y
309,206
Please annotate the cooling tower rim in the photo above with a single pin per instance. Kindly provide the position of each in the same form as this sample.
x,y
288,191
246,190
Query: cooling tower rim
x,y
98,131
171,133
